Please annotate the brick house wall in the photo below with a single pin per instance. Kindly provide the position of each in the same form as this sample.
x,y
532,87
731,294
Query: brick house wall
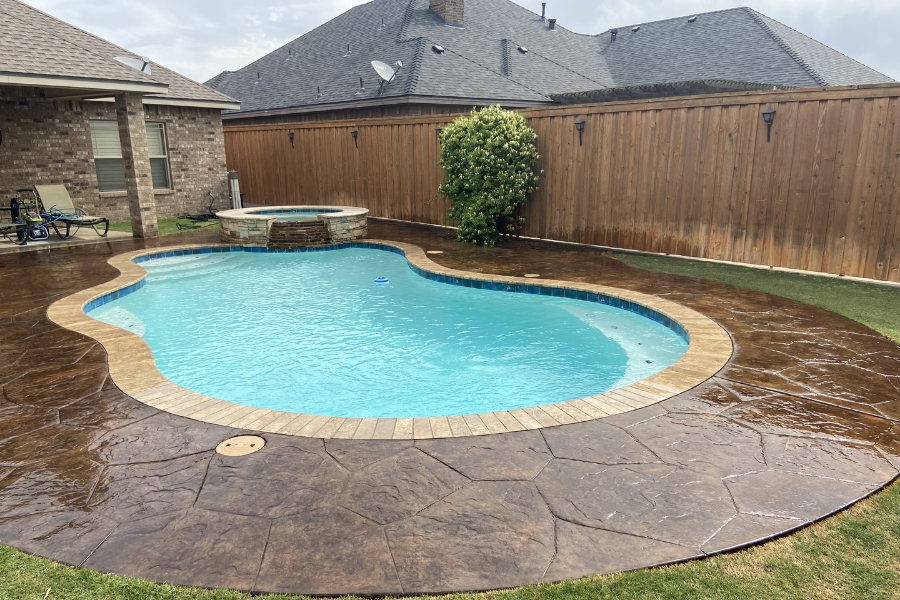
x,y
49,141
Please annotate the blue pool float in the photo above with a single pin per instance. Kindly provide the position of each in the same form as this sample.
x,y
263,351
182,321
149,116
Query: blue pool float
x,y
381,279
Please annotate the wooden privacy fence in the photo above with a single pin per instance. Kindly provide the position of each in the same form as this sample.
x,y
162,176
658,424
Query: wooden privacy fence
x,y
690,176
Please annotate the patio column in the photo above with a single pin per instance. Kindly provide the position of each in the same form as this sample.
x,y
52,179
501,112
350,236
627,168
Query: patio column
x,y
136,157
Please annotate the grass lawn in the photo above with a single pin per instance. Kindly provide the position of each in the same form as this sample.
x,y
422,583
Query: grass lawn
x,y
166,226
877,306
855,554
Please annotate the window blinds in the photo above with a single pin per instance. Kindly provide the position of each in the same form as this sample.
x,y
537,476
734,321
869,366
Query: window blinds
x,y
108,155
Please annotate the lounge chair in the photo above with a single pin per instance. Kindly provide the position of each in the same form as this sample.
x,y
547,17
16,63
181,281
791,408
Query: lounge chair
x,y
58,209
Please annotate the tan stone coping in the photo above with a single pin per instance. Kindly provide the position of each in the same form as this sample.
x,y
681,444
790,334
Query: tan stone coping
x,y
133,369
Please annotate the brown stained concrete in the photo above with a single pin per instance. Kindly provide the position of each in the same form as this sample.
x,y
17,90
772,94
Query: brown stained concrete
x,y
800,423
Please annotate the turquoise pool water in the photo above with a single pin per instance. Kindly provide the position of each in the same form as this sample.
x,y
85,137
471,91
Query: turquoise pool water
x,y
312,332
297,214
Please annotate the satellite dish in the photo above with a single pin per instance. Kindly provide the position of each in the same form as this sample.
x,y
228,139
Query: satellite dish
x,y
141,64
384,70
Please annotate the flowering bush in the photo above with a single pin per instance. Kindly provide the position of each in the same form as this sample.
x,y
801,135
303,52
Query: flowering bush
x,y
489,163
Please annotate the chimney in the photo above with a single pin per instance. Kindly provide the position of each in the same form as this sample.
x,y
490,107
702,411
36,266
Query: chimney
x,y
451,11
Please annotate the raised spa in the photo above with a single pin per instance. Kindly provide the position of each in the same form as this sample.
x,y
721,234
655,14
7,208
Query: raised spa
x,y
312,332
291,226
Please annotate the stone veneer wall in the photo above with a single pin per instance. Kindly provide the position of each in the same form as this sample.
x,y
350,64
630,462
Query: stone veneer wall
x,y
345,228
49,141
245,230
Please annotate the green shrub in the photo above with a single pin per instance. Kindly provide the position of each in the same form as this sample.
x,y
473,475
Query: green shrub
x,y
489,162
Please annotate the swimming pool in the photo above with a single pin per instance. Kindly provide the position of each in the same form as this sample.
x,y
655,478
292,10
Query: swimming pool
x,y
312,332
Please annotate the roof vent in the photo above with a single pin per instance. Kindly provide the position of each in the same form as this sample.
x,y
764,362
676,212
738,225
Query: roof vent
x,y
612,34
438,49
362,88
348,51
523,49
318,92
635,29
692,19
543,11
552,24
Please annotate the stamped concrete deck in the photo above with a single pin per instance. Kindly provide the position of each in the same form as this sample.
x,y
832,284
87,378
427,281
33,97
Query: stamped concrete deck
x,y
802,421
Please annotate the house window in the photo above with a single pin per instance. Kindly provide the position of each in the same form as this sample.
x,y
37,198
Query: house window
x,y
159,158
108,156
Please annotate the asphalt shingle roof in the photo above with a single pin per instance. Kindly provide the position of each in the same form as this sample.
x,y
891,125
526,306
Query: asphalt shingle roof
x,y
482,60
35,43
823,63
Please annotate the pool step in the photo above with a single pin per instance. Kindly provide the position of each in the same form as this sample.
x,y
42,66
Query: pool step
x,y
298,234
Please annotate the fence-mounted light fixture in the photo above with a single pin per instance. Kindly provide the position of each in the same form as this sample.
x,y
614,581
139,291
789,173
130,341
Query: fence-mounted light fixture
x,y
291,137
769,118
579,125
354,134
438,130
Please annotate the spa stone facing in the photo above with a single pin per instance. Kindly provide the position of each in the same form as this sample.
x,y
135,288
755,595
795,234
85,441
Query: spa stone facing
x,y
248,227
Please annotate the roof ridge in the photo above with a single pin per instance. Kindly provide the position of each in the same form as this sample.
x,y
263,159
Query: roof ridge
x,y
559,26
505,58
642,23
786,47
403,34
416,66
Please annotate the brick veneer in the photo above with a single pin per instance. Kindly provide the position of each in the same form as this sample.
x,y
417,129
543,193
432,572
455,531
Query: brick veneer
x,y
49,141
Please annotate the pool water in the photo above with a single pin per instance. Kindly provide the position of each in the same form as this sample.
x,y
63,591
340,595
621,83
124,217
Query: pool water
x,y
300,214
312,332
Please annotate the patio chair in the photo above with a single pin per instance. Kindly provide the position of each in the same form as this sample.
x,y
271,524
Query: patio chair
x,y
58,209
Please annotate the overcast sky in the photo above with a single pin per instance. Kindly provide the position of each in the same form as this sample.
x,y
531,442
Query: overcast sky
x,y
201,38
